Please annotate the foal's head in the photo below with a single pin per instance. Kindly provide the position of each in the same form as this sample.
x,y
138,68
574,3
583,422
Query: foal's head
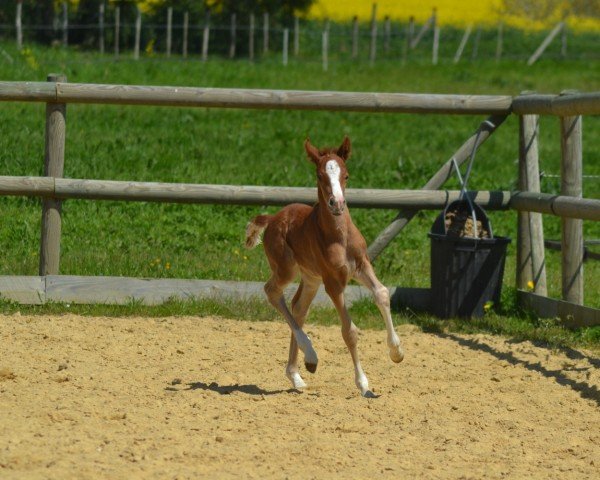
x,y
331,173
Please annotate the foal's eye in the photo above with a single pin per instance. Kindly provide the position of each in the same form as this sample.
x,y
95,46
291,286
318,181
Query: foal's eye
x,y
346,177
319,176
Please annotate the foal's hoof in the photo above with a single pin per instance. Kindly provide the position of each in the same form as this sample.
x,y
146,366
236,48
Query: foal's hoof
x,y
369,394
311,367
396,354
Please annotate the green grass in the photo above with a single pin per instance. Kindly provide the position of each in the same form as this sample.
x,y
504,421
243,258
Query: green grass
x,y
246,147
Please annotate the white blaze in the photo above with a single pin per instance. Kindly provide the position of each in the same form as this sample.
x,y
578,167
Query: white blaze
x,y
333,171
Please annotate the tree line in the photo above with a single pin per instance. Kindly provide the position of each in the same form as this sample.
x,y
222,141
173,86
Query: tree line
x,y
43,17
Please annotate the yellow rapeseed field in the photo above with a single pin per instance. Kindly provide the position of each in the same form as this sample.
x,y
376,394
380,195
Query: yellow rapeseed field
x,y
449,12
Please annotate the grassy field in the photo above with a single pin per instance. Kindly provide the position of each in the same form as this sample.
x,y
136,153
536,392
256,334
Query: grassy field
x,y
246,147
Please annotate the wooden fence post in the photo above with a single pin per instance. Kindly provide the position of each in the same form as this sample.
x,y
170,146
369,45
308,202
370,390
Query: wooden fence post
x,y
572,228
387,34
296,36
499,41
476,41
169,30
117,30
538,53
426,26
19,25
265,32
55,23
54,160
232,35
65,24
205,37
138,34
101,27
563,40
436,37
373,48
325,48
410,28
463,43
355,37
436,45
186,24
251,38
531,266
286,36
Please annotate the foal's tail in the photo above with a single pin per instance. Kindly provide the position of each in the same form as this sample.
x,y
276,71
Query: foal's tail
x,y
255,229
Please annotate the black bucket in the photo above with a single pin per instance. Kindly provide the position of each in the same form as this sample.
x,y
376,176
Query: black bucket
x,y
466,272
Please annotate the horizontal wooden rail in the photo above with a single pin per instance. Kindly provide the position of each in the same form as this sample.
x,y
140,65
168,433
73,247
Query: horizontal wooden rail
x,y
65,188
587,253
27,186
559,205
28,91
561,105
254,98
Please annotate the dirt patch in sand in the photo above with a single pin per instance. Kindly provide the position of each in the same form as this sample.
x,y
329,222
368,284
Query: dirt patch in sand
x,y
192,397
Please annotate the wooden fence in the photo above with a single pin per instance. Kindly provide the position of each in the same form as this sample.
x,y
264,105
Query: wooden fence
x,y
377,33
528,201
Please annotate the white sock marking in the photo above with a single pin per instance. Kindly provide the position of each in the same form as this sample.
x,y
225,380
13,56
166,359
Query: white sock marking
x,y
296,379
305,346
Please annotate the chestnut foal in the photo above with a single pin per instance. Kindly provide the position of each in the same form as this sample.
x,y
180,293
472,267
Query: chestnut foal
x,y
322,243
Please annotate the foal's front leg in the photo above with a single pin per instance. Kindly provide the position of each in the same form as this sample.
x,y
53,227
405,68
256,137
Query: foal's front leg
x,y
274,291
300,306
367,277
350,335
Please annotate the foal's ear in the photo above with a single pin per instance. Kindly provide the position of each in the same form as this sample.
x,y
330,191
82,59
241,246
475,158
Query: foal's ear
x,y
345,149
313,152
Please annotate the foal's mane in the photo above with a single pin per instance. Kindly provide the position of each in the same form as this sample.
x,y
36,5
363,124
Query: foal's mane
x,y
326,150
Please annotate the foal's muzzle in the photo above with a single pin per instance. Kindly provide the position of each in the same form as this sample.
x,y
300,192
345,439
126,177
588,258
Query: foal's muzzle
x,y
336,207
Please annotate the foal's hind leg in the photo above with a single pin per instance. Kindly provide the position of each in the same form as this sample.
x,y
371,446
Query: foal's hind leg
x,y
300,305
367,277
274,290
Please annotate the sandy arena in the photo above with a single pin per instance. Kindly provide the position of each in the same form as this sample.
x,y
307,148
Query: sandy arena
x,y
189,397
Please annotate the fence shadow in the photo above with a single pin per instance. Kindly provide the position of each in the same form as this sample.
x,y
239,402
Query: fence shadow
x,y
585,390
228,389
569,352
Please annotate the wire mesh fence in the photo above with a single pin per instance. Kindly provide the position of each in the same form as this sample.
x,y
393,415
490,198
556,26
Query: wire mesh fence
x,y
255,38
